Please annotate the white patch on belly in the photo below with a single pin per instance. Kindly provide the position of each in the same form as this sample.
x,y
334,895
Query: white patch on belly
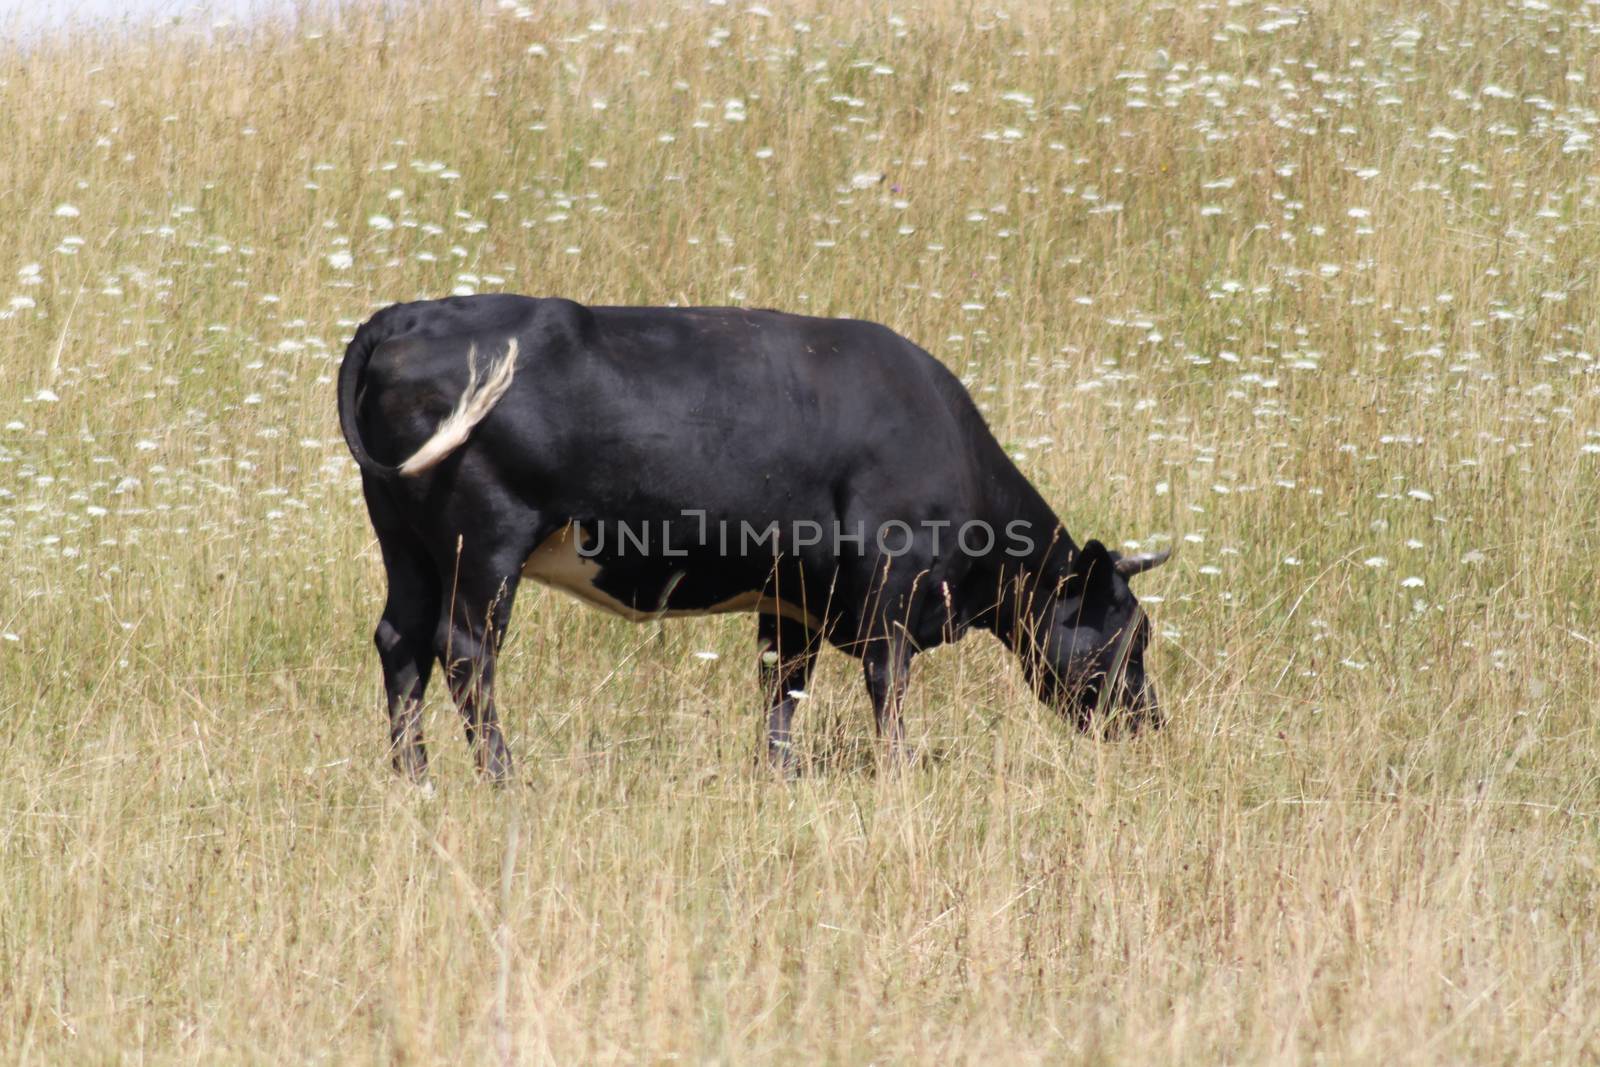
x,y
556,563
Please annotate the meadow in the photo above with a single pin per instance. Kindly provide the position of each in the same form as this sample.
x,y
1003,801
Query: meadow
x,y
1306,292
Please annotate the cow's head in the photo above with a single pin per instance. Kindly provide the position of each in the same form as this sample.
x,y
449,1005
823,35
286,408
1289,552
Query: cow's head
x,y
1088,640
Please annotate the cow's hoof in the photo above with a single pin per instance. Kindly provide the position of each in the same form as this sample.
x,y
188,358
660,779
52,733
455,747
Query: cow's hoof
x,y
902,756
494,760
410,764
782,761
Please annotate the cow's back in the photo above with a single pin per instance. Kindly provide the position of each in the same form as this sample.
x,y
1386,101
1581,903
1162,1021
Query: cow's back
x,y
641,412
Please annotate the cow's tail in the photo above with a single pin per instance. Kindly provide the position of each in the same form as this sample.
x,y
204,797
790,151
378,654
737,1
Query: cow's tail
x,y
479,397
477,400
367,338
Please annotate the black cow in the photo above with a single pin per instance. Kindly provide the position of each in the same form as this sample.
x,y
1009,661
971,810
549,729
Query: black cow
x,y
827,474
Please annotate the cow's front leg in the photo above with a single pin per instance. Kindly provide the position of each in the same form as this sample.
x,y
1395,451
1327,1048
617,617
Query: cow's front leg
x,y
468,641
887,667
788,652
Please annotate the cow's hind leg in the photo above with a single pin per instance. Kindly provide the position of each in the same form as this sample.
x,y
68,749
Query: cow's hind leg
x,y
405,644
478,597
788,652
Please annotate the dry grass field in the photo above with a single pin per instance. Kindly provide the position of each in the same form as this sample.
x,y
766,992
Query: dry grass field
x,y
1305,291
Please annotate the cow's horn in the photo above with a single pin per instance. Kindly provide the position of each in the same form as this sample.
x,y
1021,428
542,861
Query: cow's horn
x,y
1128,566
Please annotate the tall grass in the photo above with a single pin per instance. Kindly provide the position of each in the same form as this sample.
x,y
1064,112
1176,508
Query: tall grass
x,y
1307,292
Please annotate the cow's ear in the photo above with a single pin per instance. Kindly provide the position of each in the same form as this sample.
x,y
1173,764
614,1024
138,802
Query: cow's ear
x,y
1092,572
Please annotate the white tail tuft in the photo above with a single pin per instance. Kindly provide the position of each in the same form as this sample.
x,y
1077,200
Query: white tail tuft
x,y
477,400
